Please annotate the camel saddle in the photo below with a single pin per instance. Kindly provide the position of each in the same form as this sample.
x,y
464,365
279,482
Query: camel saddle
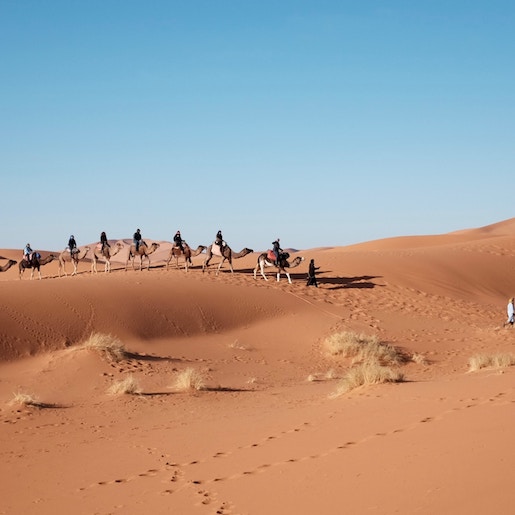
x,y
271,256
216,250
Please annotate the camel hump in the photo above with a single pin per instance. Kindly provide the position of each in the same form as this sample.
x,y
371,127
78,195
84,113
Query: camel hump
x,y
270,255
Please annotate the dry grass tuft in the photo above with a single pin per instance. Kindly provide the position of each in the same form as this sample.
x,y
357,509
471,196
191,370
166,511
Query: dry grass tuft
x,y
109,347
420,359
237,345
480,361
25,399
363,349
367,374
28,400
189,379
129,386
329,375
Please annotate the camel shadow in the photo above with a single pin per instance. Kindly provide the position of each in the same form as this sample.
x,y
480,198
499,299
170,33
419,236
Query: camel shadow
x,y
363,281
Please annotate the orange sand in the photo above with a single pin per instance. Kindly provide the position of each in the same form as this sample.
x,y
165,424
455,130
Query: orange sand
x,y
261,438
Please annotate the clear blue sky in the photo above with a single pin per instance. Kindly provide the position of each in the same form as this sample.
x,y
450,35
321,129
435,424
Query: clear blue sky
x,y
320,122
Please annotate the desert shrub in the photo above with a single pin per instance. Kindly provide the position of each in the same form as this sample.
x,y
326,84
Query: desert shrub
x,y
420,359
362,348
367,374
189,379
129,385
109,347
491,361
24,399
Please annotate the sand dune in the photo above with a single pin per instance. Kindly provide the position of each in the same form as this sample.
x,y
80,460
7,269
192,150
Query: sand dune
x,y
266,434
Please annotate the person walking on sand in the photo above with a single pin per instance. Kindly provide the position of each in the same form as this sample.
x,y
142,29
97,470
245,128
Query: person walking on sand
x,y
510,309
312,280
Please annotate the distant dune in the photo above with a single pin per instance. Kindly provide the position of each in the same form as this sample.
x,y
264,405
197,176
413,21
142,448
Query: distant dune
x,y
267,432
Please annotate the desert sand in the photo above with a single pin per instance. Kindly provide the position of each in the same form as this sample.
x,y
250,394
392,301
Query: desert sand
x,y
266,434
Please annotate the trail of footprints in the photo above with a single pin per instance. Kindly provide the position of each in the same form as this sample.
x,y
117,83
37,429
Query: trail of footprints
x,y
174,473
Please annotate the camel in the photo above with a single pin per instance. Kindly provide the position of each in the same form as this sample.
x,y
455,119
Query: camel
x,y
66,257
35,263
143,252
176,252
105,254
9,264
265,260
225,253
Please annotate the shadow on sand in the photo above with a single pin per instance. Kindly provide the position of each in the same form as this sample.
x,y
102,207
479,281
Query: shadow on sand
x,y
362,281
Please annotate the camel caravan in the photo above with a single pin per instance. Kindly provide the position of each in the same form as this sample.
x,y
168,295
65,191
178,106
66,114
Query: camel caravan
x,y
139,254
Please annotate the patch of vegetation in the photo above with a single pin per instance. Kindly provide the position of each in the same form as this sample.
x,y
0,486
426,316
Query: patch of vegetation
x,y
363,349
480,361
189,379
367,374
108,346
129,386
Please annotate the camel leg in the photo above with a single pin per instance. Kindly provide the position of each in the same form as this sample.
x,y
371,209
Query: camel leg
x,y
278,276
288,276
206,263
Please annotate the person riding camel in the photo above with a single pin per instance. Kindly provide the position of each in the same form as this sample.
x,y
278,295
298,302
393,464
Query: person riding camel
x,y
276,248
103,241
72,245
219,240
27,253
178,240
136,239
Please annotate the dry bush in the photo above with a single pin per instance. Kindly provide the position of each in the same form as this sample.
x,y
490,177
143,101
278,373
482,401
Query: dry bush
x,y
24,399
330,374
480,361
189,379
363,348
237,345
420,359
109,347
129,385
367,374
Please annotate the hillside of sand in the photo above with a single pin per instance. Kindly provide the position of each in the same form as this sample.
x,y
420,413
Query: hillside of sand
x,y
265,434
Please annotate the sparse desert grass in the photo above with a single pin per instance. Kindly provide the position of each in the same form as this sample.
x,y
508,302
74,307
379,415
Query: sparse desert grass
x,y
420,359
189,379
108,346
362,348
25,399
330,374
480,361
129,386
237,345
367,374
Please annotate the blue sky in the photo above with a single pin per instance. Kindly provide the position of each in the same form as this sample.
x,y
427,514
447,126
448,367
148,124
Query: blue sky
x,y
324,123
